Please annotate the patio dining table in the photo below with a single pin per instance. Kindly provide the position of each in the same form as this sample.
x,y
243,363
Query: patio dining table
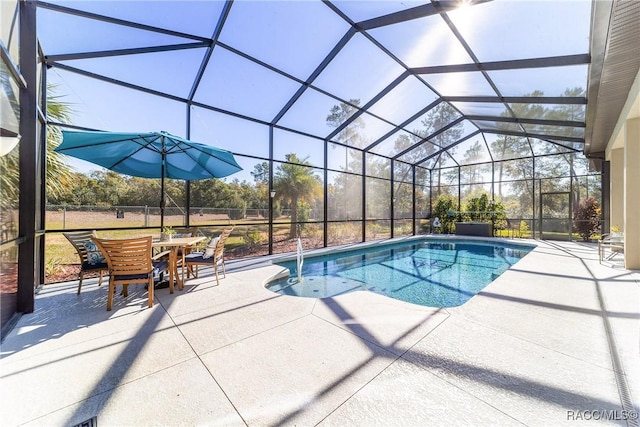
x,y
173,246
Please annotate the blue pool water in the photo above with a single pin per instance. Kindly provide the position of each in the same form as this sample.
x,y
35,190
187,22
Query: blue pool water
x,y
430,273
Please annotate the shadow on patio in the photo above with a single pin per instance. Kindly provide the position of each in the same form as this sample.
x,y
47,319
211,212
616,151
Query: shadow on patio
x,y
533,347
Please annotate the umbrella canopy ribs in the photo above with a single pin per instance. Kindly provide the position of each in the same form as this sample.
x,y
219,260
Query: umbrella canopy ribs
x,y
149,155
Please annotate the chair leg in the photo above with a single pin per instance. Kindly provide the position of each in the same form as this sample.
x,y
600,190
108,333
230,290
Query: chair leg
x,y
82,277
80,282
224,271
215,269
150,291
190,271
112,290
600,252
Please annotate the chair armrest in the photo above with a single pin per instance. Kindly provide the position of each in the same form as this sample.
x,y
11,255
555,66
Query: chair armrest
x,y
161,255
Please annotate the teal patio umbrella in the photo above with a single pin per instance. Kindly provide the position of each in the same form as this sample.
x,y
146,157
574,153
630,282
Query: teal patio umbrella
x,y
149,155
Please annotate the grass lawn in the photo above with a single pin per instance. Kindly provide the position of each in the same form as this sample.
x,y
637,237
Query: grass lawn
x,y
58,250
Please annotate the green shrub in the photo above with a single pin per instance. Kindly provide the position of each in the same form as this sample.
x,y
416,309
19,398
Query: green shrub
x,y
483,210
445,211
477,209
53,266
239,212
253,239
340,233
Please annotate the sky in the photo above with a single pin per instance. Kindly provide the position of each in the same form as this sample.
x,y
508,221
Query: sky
x,y
294,37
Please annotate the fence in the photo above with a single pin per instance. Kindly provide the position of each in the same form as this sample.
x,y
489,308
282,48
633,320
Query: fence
x,y
71,217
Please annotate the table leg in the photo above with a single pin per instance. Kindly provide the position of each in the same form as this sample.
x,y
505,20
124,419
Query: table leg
x,y
172,264
173,270
180,277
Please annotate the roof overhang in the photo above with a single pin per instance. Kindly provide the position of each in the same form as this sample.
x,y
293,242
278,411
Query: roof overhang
x,y
615,50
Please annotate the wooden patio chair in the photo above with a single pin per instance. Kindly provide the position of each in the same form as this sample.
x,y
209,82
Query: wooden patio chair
x,y
130,262
213,255
91,260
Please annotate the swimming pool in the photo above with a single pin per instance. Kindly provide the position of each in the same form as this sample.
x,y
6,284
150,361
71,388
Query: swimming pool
x,y
434,273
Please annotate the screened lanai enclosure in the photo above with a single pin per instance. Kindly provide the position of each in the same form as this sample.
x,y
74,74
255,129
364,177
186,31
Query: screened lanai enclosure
x,y
360,115
352,120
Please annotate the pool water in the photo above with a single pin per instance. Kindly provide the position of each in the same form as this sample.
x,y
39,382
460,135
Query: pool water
x,y
429,273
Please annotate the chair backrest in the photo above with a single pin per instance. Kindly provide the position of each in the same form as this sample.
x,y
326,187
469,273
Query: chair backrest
x,y
77,239
219,250
127,256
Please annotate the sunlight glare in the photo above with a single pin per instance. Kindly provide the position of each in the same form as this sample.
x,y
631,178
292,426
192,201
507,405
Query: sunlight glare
x,y
464,15
427,46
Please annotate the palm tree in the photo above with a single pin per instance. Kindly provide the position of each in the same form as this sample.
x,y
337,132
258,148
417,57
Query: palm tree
x,y
9,160
296,182
58,173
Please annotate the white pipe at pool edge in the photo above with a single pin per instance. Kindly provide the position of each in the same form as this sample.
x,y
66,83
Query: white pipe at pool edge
x,y
300,259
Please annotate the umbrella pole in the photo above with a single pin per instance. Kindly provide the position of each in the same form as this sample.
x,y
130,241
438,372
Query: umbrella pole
x,y
163,173
162,203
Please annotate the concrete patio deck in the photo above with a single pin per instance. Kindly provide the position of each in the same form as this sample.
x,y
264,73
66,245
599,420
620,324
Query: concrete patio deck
x,y
552,341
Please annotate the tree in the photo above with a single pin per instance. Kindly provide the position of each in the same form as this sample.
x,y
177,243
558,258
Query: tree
x,y
437,118
215,193
80,190
345,193
571,113
338,115
255,196
295,182
402,191
344,198
586,219
474,172
112,186
260,173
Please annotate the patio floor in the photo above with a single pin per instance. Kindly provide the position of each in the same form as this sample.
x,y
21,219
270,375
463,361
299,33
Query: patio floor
x,y
552,341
